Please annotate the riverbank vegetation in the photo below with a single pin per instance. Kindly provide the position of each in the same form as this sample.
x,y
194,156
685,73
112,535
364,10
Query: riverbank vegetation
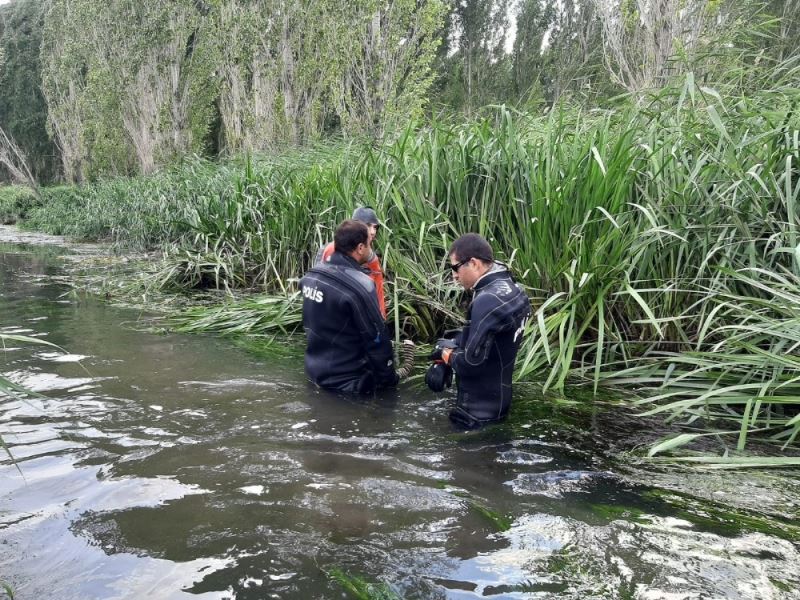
x,y
649,207
658,240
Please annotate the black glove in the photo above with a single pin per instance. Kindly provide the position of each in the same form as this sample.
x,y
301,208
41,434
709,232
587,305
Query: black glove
x,y
438,377
440,345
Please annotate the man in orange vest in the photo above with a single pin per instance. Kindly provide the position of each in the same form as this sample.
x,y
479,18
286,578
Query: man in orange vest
x,y
366,215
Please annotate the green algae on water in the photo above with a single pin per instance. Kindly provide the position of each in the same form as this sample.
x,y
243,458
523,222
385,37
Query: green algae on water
x,y
611,512
499,521
726,521
360,588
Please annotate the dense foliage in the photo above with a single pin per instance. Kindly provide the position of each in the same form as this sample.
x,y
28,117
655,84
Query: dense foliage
x,y
23,113
124,87
132,86
15,203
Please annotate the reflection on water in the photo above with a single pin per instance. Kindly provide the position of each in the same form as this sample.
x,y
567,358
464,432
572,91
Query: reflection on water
x,y
165,466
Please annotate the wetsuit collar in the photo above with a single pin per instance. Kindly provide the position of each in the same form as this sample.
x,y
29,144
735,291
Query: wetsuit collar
x,y
343,260
495,272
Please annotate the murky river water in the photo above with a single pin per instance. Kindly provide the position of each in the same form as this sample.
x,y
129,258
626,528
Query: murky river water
x,y
170,466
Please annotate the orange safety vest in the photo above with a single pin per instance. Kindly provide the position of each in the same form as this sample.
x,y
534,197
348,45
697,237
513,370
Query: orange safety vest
x,y
375,273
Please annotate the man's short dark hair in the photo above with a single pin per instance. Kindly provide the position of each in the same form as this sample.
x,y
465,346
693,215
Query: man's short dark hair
x,y
349,235
471,245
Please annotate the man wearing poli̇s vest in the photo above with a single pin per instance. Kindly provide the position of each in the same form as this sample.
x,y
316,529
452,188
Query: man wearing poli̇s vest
x,y
348,346
366,215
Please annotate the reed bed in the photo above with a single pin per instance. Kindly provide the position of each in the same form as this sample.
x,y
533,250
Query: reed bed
x,y
658,239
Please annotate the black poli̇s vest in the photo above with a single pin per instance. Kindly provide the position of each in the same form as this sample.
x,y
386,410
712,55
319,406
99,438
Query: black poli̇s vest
x,y
348,346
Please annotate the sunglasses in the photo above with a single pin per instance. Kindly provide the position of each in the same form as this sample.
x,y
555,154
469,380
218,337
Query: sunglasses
x,y
454,268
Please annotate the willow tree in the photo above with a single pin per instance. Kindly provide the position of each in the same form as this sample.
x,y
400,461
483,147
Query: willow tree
x,y
248,76
292,67
14,161
279,63
476,70
575,50
642,38
12,158
159,57
23,112
65,60
309,60
167,76
129,85
389,47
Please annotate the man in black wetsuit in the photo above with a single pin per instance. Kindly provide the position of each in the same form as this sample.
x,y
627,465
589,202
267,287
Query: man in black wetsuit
x,y
482,355
348,346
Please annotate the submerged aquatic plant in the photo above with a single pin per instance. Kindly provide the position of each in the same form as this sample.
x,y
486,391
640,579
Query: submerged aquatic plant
x,y
359,588
256,315
499,521
726,520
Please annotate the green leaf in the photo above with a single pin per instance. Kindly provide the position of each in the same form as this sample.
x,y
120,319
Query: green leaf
x,y
715,119
675,442
646,308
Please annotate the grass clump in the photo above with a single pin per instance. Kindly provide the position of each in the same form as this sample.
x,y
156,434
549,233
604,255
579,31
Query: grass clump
x,y
16,202
256,315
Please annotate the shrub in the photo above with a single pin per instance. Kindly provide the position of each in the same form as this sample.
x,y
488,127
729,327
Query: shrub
x,y
16,202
